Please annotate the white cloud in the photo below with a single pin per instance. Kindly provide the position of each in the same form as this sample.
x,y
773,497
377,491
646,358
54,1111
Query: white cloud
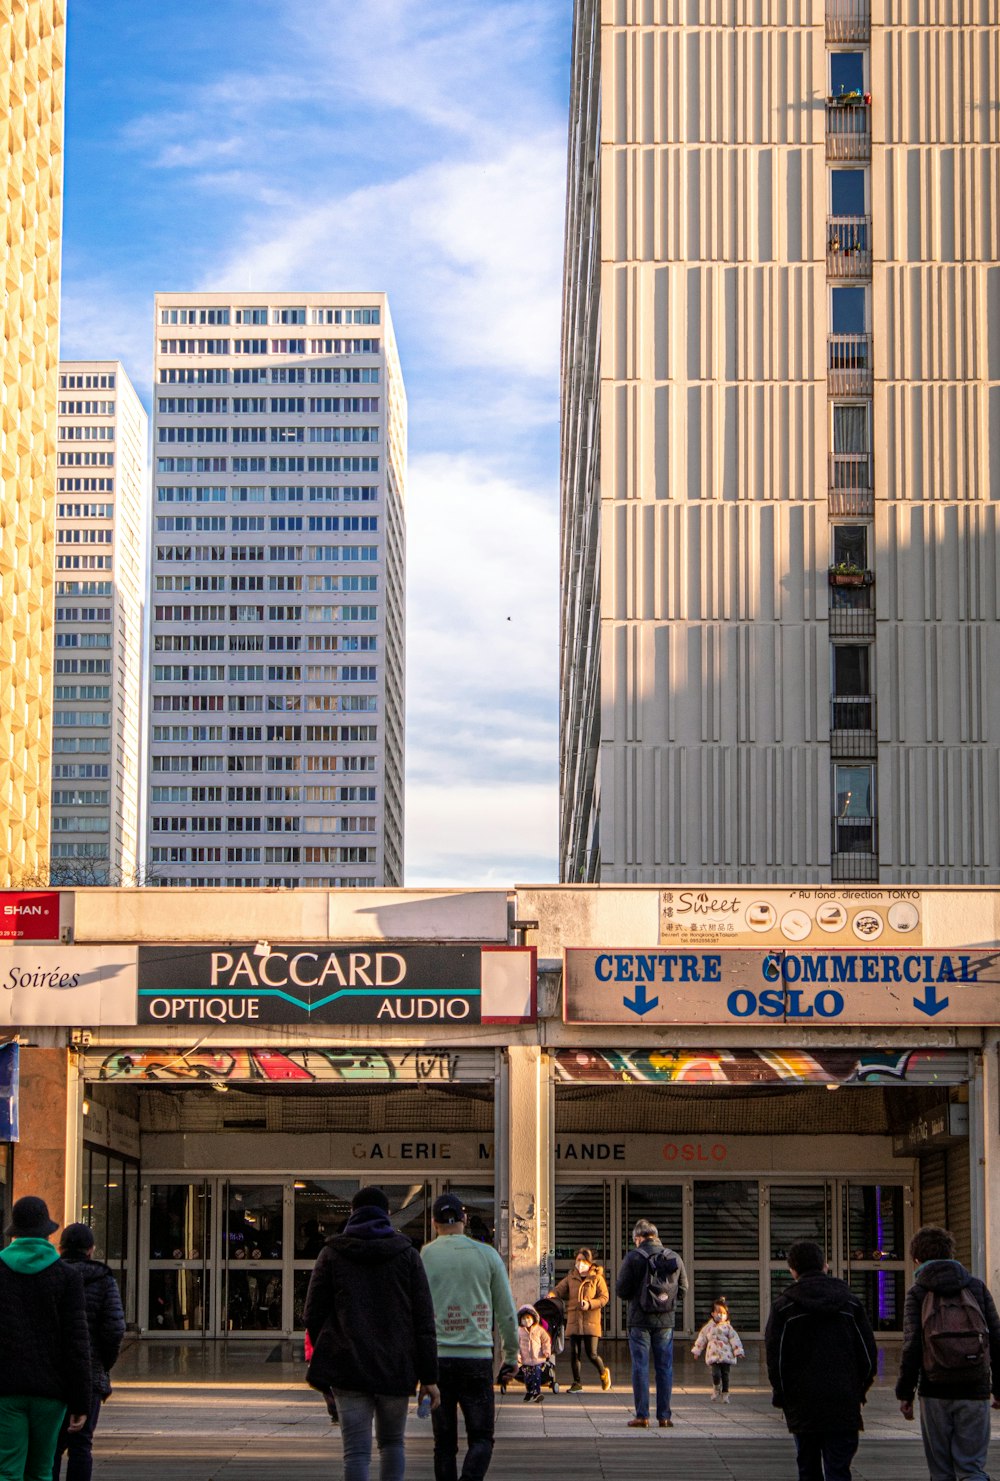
x,y
506,835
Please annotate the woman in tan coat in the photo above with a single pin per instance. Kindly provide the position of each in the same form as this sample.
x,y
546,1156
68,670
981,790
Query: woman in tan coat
x,y
585,1292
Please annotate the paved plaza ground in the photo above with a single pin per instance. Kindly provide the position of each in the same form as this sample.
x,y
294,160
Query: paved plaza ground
x,y
240,1412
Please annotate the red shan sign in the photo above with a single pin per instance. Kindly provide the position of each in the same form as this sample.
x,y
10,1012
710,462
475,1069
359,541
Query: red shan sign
x,y
29,915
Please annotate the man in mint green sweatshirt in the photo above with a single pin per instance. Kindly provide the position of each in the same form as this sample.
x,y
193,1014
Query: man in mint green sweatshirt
x,y
44,1346
471,1291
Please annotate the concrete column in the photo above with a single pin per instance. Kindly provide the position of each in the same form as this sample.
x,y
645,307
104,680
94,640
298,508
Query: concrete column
x,y
527,1131
40,1154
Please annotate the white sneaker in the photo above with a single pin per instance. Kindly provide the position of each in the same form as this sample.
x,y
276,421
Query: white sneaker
x,y
725,1398
716,1394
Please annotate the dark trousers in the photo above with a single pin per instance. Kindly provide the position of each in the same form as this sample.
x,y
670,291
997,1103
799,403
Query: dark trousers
x,y
826,1456
720,1376
578,1345
77,1447
466,1384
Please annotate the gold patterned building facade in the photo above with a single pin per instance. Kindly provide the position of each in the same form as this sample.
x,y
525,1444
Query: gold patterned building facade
x,y
32,54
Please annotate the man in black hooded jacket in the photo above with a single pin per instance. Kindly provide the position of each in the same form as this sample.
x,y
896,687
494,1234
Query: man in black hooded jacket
x,y
370,1318
954,1410
821,1360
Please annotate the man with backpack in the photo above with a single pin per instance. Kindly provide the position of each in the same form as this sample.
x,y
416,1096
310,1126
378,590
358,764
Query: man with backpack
x,y
951,1357
651,1279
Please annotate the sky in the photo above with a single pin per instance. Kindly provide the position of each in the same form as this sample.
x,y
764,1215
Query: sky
x,y
394,145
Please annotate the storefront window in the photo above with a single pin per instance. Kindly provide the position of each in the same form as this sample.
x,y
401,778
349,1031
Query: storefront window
x,y
253,1224
726,1220
322,1208
740,1289
179,1215
177,1300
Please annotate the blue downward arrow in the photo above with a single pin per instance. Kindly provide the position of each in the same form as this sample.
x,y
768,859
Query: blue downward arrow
x,y
640,1003
930,1003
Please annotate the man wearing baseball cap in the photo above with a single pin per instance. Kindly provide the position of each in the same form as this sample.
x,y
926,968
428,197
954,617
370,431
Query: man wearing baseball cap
x,y
44,1345
471,1291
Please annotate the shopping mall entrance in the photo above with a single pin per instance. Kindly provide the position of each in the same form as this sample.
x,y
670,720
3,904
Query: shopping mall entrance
x,y
735,1155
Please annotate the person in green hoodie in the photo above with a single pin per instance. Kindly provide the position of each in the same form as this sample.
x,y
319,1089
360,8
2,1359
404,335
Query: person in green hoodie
x,y
471,1291
44,1346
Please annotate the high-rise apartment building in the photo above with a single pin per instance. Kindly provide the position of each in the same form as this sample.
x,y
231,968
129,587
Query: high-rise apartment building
x,y
781,501
277,592
32,46
100,584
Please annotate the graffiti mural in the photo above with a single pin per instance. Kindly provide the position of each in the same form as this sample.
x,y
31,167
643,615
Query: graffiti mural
x,y
762,1066
292,1066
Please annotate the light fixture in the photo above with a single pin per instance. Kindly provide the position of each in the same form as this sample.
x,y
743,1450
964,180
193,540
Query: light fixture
x,y
833,1085
86,1107
220,1086
263,948
298,1185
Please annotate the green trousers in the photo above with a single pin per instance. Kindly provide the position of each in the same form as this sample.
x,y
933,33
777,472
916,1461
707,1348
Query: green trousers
x,y
29,1429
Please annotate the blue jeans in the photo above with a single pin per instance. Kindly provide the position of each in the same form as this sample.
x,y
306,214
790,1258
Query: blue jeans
x,y
956,1436
826,1456
356,1414
466,1384
661,1340
78,1447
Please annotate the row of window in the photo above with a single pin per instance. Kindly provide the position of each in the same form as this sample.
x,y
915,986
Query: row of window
x,y
86,408
88,382
267,881
278,493
269,375
84,588
245,794
220,405
85,537
255,613
77,824
84,562
247,823
251,673
203,763
265,434
256,643
274,583
262,315
83,665
82,691
86,460
85,485
270,346
185,704
272,855
85,511
84,433
81,770
83,614
363,463
334,735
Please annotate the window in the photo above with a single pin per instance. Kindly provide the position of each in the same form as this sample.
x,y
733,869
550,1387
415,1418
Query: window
x,y
851,427
850,545
848,310
854,809
847,73
848,193
251,316
851,670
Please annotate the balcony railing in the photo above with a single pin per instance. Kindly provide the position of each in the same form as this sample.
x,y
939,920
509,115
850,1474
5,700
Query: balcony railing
x,y
854,854
852,727
853,622
848,246
849,364
848,20
848,129
851,484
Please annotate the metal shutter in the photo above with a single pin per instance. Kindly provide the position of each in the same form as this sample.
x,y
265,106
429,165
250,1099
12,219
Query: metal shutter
x,y
934,1189
959,1219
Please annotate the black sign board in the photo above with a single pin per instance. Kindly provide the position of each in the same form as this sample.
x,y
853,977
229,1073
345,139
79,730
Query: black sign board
x,y
362,983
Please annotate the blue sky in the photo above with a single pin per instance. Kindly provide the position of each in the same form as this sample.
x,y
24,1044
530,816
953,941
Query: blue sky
x,y
399,145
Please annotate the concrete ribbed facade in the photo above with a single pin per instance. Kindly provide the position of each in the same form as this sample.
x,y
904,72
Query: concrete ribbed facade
x,y
32,49
783,386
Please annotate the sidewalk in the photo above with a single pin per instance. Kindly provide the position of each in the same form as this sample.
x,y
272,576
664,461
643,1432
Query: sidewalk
x,y
224,1412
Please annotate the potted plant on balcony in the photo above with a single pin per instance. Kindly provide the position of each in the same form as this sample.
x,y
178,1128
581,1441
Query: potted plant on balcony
x,y
846,573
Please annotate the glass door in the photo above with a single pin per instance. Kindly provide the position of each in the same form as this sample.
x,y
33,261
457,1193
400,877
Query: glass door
x,y
178,1280
252,1257
875,1235
663,1205
321,1207
796,1211
727,1251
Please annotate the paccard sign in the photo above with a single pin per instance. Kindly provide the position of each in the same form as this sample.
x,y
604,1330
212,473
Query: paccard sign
x,y
798,987
264,984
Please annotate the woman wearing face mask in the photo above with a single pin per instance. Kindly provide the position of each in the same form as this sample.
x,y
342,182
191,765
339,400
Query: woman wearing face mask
x,y
585,1292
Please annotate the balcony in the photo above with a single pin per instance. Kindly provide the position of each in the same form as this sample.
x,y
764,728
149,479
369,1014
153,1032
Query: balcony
x,y
848,20
852,727
854,855
848,128
851,490
854,618
848,247
849,364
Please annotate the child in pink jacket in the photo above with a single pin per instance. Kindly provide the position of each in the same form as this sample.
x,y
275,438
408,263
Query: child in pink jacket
x,y
534,1348
720,1342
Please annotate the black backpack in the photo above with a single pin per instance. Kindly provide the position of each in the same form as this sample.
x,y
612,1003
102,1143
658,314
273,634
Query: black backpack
x,y
660,1282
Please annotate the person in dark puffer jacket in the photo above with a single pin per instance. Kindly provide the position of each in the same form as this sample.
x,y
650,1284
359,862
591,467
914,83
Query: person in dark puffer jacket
x,y
106,1322
370,1318
955,1414
44,1346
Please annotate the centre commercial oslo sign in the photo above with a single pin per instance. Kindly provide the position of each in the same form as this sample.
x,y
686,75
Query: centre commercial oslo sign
x,y
799,987
346,983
